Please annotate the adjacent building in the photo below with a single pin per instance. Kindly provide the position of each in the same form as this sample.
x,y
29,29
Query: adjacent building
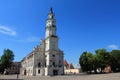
x,y
69,68
46,59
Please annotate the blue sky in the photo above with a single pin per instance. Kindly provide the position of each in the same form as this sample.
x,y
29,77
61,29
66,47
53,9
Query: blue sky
x,y
82,25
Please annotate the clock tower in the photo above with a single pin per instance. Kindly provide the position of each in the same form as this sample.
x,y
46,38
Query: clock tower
x,y
53,55
50,24
46,59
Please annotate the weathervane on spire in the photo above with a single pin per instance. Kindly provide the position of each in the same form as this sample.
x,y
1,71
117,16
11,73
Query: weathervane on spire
x,y
51,13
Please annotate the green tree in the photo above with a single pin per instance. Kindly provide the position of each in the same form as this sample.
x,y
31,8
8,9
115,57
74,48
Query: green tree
x,y
103,59
6,59
86,62
115,65
90,62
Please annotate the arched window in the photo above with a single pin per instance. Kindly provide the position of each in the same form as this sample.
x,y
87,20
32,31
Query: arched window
x,y
39,65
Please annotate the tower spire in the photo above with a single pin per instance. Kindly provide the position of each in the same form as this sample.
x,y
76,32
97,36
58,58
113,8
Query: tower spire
x,y
51,25
51,14
51,10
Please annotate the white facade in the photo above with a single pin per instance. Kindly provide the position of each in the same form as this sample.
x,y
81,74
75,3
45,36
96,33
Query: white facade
x,y
46,59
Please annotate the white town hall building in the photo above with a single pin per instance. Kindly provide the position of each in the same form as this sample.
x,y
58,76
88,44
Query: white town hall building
x,y
46,59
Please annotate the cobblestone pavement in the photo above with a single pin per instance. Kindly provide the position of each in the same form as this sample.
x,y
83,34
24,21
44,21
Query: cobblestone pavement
x,y
111,76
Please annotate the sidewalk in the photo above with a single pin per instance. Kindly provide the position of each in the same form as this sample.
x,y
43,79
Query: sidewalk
x,y
111,76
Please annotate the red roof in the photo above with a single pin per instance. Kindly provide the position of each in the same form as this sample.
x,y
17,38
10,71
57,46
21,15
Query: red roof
x,y
69,66
65,62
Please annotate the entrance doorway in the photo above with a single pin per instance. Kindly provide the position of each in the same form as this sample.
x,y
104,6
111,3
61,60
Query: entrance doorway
x,y
55,72
24,72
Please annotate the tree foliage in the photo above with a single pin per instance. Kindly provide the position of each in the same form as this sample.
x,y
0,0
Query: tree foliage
x,y
103,58
100,60
6,59
115,60
86,61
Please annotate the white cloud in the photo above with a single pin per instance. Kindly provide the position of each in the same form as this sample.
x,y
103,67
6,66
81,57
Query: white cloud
x,y
6,30
30,39
113,46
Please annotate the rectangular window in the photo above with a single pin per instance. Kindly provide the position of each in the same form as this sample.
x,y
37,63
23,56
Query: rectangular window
x,y
45,55
45,64
54,64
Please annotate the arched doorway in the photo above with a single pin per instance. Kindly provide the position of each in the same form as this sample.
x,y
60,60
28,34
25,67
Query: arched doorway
x,y
55,72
